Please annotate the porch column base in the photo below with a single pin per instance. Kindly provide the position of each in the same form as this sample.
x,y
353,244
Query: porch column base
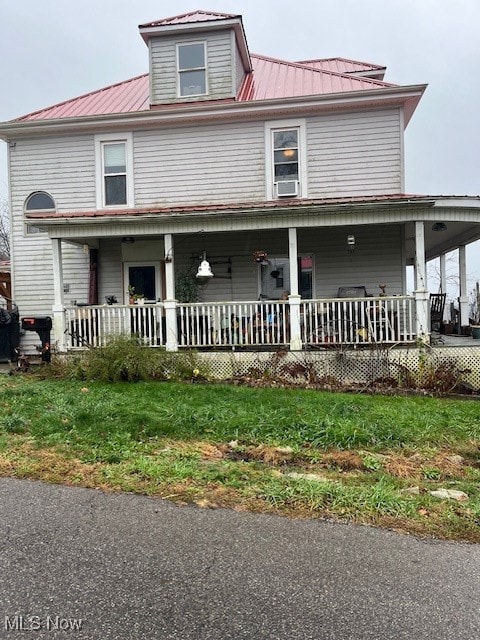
x,y
59,328
171,337
295,332
422,323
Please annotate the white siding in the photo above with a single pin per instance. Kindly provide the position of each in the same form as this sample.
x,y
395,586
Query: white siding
x,y
239,70
220,62
110,273
63,166
377,258
206,164
353,154
347,154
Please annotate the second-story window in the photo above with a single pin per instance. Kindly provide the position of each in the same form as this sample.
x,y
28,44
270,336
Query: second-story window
x,y
286,162
192,69
114,170
115,173
285,155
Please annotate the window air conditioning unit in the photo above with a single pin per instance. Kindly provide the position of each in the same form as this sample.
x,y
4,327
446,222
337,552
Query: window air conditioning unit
x,y
287,188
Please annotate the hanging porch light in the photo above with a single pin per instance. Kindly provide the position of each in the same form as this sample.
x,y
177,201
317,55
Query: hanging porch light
x,y
204,269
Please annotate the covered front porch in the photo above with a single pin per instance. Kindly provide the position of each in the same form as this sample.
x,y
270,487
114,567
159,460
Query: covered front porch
x,y
293,276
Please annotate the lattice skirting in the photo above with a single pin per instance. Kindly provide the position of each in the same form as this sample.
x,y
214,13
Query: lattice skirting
x,y
348,365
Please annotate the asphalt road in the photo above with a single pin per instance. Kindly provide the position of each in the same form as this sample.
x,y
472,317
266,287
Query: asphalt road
x,y
77,563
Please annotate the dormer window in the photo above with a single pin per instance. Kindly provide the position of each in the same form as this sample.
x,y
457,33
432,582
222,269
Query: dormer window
x,y
192,69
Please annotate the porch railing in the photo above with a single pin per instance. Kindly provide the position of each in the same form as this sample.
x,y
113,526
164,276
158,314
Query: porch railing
x,y
230,324
91,326
388,319
253,324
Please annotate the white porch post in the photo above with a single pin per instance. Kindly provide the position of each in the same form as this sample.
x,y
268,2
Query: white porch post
x,y
294,298
58,304
443,273
463,306
443,279
170,304
421,293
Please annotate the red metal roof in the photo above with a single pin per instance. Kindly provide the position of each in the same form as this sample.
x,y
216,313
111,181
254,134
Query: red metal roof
x,y
192,16
123,97
270,79
273,78
342,65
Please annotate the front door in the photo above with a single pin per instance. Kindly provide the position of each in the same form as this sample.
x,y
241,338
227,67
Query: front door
x,y
144,279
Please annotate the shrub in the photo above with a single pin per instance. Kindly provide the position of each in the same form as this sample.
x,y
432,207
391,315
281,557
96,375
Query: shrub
x,y
125,359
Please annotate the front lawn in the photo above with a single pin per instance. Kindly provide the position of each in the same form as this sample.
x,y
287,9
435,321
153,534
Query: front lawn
x,y
302,453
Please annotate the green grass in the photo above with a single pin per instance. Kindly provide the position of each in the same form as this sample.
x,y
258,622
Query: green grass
x,y
171,439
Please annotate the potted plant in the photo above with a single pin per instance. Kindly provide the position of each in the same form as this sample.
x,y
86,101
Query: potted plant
x,y
475,312
133,297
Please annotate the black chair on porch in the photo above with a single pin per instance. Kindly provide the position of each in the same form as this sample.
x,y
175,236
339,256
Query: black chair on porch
x,y
351,314
437,308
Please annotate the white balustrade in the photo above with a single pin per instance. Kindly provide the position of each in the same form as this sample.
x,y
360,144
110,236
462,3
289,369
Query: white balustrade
x,y
256,324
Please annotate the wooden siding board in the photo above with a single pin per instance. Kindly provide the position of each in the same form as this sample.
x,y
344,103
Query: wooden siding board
x,y
185,165
355,154
64,166
110,272
377,258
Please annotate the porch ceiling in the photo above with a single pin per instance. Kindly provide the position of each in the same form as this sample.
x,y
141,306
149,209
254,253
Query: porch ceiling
x,y
439,240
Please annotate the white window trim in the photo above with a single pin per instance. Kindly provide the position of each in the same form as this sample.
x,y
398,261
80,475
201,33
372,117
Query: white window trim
x,y
127,138
146,263
29,224
205,68
27,230
270,127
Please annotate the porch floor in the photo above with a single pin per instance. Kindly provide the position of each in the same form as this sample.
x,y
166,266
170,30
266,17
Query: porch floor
x,y
452,340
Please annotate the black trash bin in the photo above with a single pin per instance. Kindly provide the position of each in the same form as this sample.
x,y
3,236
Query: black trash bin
x,y
9,334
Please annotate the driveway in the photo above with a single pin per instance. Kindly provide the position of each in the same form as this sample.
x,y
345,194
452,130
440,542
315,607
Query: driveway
x,y
79,563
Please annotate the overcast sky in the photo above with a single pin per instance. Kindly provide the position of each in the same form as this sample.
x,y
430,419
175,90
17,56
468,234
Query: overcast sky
x,y
52,50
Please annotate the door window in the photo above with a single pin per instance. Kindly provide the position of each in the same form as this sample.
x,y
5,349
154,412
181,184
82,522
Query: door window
x,y
143,279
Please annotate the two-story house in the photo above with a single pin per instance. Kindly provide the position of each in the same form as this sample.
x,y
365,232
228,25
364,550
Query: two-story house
x,y
279,184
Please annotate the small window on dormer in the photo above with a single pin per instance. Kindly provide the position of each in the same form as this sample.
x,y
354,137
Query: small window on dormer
x,y
39,201
192,69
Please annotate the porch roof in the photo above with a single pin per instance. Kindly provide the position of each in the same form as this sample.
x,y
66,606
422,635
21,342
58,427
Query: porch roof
x,y
439,203
283,204
460,217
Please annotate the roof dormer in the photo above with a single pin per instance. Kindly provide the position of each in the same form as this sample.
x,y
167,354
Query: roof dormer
x,y
196,56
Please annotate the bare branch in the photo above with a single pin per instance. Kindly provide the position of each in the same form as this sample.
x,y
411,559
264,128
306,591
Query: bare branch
x,y
4,228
